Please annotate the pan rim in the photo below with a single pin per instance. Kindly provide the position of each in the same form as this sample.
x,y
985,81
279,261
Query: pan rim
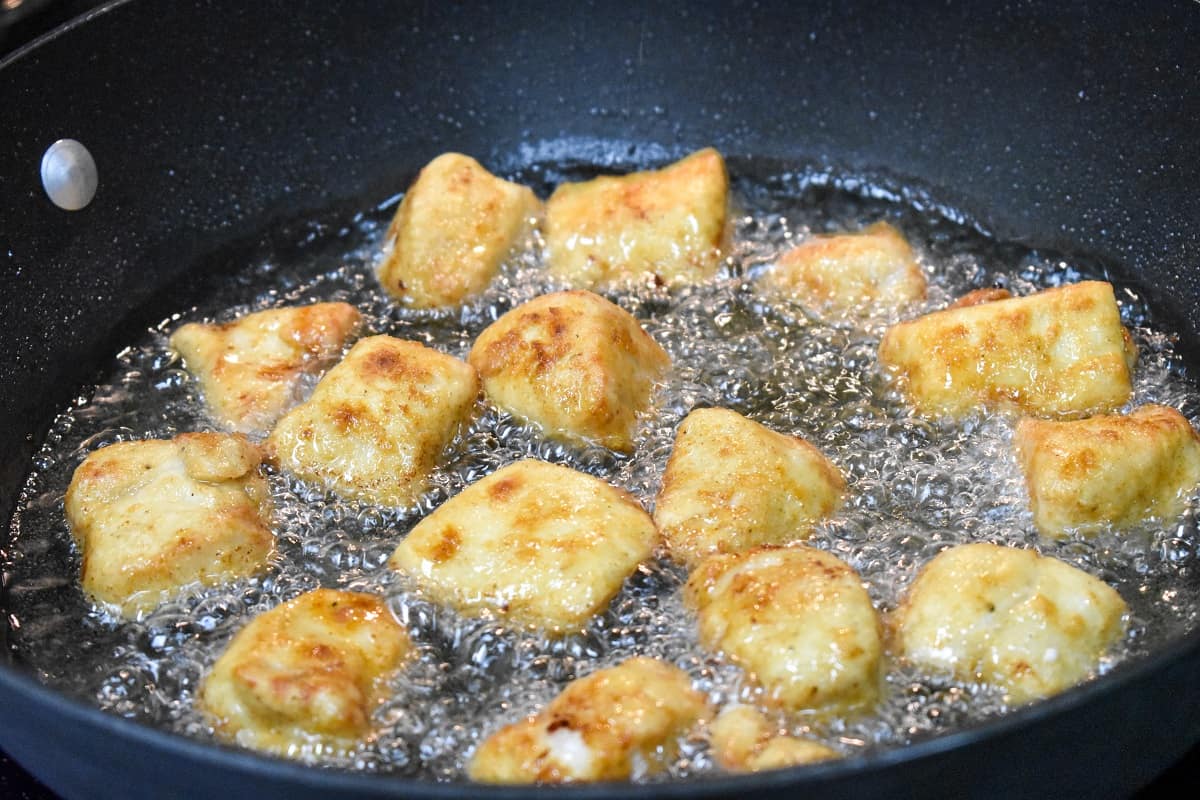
x,y
54,33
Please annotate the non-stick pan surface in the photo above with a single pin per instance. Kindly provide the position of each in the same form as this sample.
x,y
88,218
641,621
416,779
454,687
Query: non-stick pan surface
x,y
1062,125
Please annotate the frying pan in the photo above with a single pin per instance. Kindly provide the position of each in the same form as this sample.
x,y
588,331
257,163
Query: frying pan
x,y
1060,125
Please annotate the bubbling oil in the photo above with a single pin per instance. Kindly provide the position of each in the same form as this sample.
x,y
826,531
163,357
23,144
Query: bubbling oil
x,y
915,486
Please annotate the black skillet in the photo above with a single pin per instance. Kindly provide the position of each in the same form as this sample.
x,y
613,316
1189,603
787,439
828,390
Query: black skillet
x,y
1064,125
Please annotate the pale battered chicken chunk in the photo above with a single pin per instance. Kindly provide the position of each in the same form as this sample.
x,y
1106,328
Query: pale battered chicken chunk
x,y
304,678
732,484
453,230
874,268
798,620
153,516
544,545
1062,351
377,423
744,741
1084,475
1029,624
250,370
576,365
668,223
615,724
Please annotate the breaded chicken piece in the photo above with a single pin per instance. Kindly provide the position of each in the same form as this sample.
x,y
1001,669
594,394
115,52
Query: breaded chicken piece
x,y
153,516
669,223
1116,471
1061,351
615,724
377,423
454,228
798,619
304,678
1029,624
732,484
744,741
542,544
250,369
574,364
873,268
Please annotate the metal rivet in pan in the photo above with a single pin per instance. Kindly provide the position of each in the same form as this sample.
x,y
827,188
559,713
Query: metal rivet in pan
x,y
69,174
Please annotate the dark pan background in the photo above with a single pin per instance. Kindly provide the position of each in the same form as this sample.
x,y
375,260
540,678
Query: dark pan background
x,y
21,25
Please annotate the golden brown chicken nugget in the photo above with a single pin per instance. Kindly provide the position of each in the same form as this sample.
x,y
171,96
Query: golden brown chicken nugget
x,y
744,741
153,516
732,484
669,223
542,544
377,423
304,678
615,724
874,268
1107,470
1058,352
1029,624
576,365
798,620
251,369
453,230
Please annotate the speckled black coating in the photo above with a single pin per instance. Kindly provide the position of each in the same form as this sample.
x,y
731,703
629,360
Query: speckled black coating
x,y
1066,125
